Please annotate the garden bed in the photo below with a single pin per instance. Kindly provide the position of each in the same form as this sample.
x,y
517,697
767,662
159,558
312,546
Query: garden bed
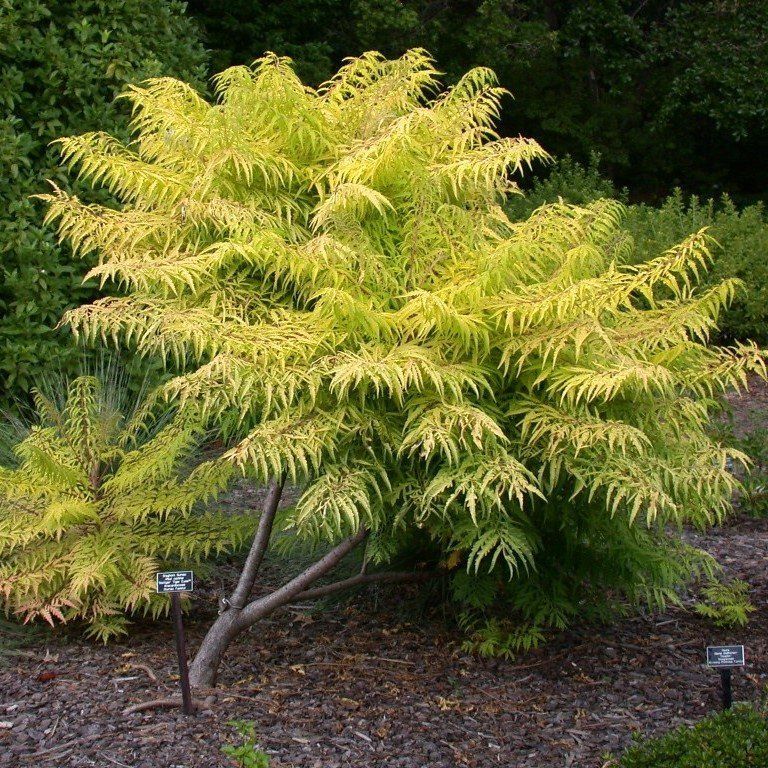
x,y
357,685
372,682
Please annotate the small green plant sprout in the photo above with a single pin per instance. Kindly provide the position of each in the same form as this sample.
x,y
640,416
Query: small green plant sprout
x,y
727,605
98,497
247,754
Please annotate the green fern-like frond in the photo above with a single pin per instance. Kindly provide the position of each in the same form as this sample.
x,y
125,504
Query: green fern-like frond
x,y
85,522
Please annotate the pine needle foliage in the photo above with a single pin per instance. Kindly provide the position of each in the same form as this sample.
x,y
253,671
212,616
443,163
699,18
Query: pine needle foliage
x,y
336,271
96,502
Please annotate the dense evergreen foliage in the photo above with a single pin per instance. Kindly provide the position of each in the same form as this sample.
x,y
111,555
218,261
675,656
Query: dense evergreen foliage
x,y
737,738
99,496
670,92
742,245
61,64
336,269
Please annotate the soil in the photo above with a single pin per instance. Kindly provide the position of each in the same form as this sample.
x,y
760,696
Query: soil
x,y
370,682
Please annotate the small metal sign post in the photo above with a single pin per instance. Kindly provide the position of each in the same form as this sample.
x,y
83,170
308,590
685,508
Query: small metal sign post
x,y
174,583
724,658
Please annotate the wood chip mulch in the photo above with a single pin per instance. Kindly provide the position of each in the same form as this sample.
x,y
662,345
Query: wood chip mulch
x,y
372,683
359,685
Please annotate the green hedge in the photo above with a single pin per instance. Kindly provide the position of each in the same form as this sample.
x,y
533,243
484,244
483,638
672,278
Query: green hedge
x,y
575,183
61,64
737,738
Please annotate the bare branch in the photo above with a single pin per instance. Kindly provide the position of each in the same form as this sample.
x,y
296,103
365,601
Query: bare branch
x,y
203,671
259,545
285,594
387,577
172,703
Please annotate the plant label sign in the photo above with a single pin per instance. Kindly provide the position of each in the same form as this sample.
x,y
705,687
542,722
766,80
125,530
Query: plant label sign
x,y
175,581
725,656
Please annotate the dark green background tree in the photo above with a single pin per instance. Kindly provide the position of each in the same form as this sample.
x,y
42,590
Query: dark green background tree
x,y
668,92
61,65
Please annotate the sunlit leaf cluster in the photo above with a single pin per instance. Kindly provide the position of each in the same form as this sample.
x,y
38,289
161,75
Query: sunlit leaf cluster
x,y
96,502
334,272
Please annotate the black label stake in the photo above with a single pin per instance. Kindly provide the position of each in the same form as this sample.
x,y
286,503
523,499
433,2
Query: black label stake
x,y
725,685
181,652
174,583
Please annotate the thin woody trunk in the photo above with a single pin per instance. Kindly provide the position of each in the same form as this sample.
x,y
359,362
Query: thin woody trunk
x,y
238,613
237,617
205,665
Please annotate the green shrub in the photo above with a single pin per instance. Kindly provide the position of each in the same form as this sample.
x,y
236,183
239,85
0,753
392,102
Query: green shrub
x,y
61,64
98,500
337,268
593,569
741,235
737,738
743,243
727,605
574,183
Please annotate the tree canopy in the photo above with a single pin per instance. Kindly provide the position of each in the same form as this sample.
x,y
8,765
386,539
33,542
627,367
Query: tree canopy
x,y
336,273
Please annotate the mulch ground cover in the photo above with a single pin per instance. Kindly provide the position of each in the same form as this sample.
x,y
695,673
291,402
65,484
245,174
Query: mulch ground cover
x,y
357,685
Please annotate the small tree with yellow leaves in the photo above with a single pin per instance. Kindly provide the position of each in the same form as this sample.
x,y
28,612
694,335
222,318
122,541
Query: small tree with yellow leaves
x,y
98,499
335,274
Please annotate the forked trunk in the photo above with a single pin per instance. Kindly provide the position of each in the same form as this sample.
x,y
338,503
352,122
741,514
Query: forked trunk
x,y
205,667
239,612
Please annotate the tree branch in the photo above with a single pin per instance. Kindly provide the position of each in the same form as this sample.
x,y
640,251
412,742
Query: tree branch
x,y
387,577
285,594
259,545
